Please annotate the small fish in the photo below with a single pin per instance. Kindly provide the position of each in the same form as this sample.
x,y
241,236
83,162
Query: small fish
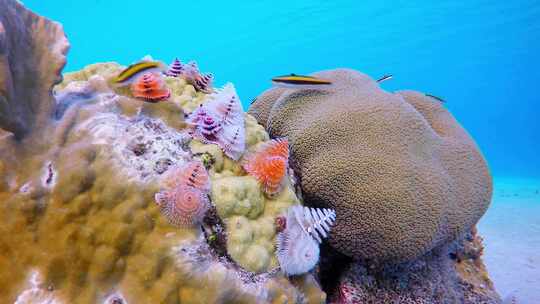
x,y
299,80
129,73
384,78
435,97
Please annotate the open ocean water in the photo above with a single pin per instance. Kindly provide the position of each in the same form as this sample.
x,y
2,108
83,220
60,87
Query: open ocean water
x,y
482,57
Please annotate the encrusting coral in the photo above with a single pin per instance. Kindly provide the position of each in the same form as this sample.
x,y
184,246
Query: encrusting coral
x,y
401,174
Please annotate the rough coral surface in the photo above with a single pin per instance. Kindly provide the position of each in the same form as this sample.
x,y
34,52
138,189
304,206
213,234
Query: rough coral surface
x,y
450,274
401,173
32,55
78,206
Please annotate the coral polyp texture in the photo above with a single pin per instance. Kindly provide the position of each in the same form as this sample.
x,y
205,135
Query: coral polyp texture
x,y
401,174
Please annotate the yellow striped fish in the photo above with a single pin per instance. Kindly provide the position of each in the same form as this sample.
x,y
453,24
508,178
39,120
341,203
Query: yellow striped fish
x,y
294,80
131,71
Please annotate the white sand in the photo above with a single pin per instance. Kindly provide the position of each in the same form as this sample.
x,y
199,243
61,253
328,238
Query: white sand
x,y
511,232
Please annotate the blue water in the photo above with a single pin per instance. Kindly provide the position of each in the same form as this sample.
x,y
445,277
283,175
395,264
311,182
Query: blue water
x,y
483,57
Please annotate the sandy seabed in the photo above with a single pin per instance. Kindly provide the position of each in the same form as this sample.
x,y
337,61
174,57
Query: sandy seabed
x,y
511,231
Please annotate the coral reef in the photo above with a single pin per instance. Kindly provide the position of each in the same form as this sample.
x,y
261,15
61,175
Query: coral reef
x,y
77,200
81,212
87,202
108,198
27,74
401,174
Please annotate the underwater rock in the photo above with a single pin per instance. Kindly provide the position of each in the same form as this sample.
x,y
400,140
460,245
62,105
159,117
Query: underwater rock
x,y
32,55
402,175
438,277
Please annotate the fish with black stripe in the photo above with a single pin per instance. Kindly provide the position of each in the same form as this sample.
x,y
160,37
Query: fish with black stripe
x,y
300,81
130,73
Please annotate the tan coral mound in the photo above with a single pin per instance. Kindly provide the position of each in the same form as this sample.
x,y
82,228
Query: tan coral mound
x,y
403,176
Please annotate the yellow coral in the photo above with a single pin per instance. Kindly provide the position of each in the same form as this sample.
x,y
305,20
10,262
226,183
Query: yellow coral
x,y
249,218
106,70
237,195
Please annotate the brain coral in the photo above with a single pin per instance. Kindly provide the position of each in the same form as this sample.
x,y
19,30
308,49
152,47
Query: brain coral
x,y
401,173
